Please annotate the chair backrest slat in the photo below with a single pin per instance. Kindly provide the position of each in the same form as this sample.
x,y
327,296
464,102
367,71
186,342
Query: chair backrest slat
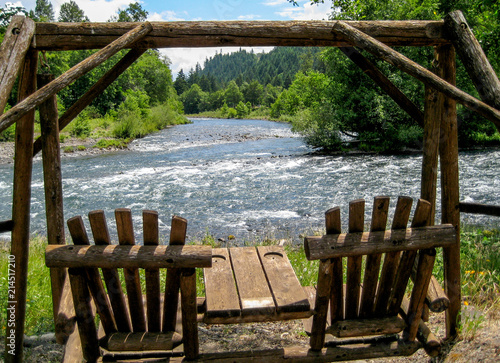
x,y
172,284
125,231
80,237
333,226
111,278
354,264
421,218
150,233
391,259
372,267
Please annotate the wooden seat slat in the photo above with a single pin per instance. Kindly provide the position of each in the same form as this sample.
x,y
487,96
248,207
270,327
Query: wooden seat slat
x,y
254,293
285,286
220,287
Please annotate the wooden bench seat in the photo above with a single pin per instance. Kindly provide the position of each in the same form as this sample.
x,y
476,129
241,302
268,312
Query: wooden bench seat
x,y
252,284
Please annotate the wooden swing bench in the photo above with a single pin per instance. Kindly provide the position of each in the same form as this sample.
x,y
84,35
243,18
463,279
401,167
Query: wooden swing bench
x,y
257,284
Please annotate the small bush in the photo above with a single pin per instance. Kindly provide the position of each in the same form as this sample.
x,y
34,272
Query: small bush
x,y
81,128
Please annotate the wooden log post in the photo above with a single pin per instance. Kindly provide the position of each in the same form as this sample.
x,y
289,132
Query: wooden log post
x,y
385,83
72,75
15,44
94,92
384,52
16,305
473,58
53,187
448,151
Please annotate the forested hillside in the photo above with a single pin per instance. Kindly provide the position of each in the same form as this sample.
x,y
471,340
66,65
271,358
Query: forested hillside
x,y
140,101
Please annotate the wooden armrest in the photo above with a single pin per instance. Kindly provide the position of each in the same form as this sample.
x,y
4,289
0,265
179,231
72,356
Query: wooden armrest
x,y
123,256
365,243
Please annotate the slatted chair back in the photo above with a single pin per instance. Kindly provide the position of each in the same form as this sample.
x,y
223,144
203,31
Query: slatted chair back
x,y
378,266
127,322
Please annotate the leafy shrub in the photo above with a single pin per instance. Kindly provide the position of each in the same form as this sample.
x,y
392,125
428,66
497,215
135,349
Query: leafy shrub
x,y
81,128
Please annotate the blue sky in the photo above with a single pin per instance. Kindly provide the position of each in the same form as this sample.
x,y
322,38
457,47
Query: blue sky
x,y
185,10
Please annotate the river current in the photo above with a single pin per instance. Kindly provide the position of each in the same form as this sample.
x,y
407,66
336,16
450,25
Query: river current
x,y
244,178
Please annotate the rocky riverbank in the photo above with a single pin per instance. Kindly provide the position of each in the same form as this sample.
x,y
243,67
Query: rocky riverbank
x,y
69,148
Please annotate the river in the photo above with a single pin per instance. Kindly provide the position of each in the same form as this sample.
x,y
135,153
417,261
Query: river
x,y
249,179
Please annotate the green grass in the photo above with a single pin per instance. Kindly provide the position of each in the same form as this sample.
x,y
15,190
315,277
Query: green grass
x,y
480,265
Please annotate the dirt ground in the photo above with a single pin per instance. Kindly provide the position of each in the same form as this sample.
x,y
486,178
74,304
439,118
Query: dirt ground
x,y
480,340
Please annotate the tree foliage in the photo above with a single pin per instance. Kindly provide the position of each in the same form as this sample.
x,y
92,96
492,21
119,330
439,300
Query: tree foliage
x,y
71,13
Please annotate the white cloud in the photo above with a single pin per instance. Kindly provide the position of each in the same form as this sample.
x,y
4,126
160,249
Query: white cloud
x,y
167,15
248,17
274,2
307,11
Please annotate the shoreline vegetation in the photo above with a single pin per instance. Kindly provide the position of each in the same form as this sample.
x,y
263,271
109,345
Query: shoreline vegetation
x,y
480,275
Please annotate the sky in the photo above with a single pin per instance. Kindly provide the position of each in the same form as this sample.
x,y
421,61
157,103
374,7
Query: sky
x,y
191,10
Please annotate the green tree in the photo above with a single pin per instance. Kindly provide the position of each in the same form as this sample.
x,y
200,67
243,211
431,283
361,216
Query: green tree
x,y
133,13
43,11
232,94
180,84
71,12
253,92
192,99
6,13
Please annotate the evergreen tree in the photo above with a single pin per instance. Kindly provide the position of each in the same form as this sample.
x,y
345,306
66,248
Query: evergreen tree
x,y
43,11
181,85
71,12
133,13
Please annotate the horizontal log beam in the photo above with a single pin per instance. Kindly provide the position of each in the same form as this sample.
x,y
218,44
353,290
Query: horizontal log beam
x,y
365,243
72,36
6,226
477,208
126,256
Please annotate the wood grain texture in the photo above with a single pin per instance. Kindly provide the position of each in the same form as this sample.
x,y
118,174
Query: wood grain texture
x,y
150,232
450,192
172,284
116,256
222,299
350,244
15,44
21,203
67,36
474,59
255,296
100,233
354,262
285,286
372,266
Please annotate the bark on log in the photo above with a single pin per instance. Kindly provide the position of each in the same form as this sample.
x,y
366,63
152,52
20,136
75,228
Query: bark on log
x,y
384,52
473,58
350,244
116,256
72,36
21,206
15,44
71,75
478,208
